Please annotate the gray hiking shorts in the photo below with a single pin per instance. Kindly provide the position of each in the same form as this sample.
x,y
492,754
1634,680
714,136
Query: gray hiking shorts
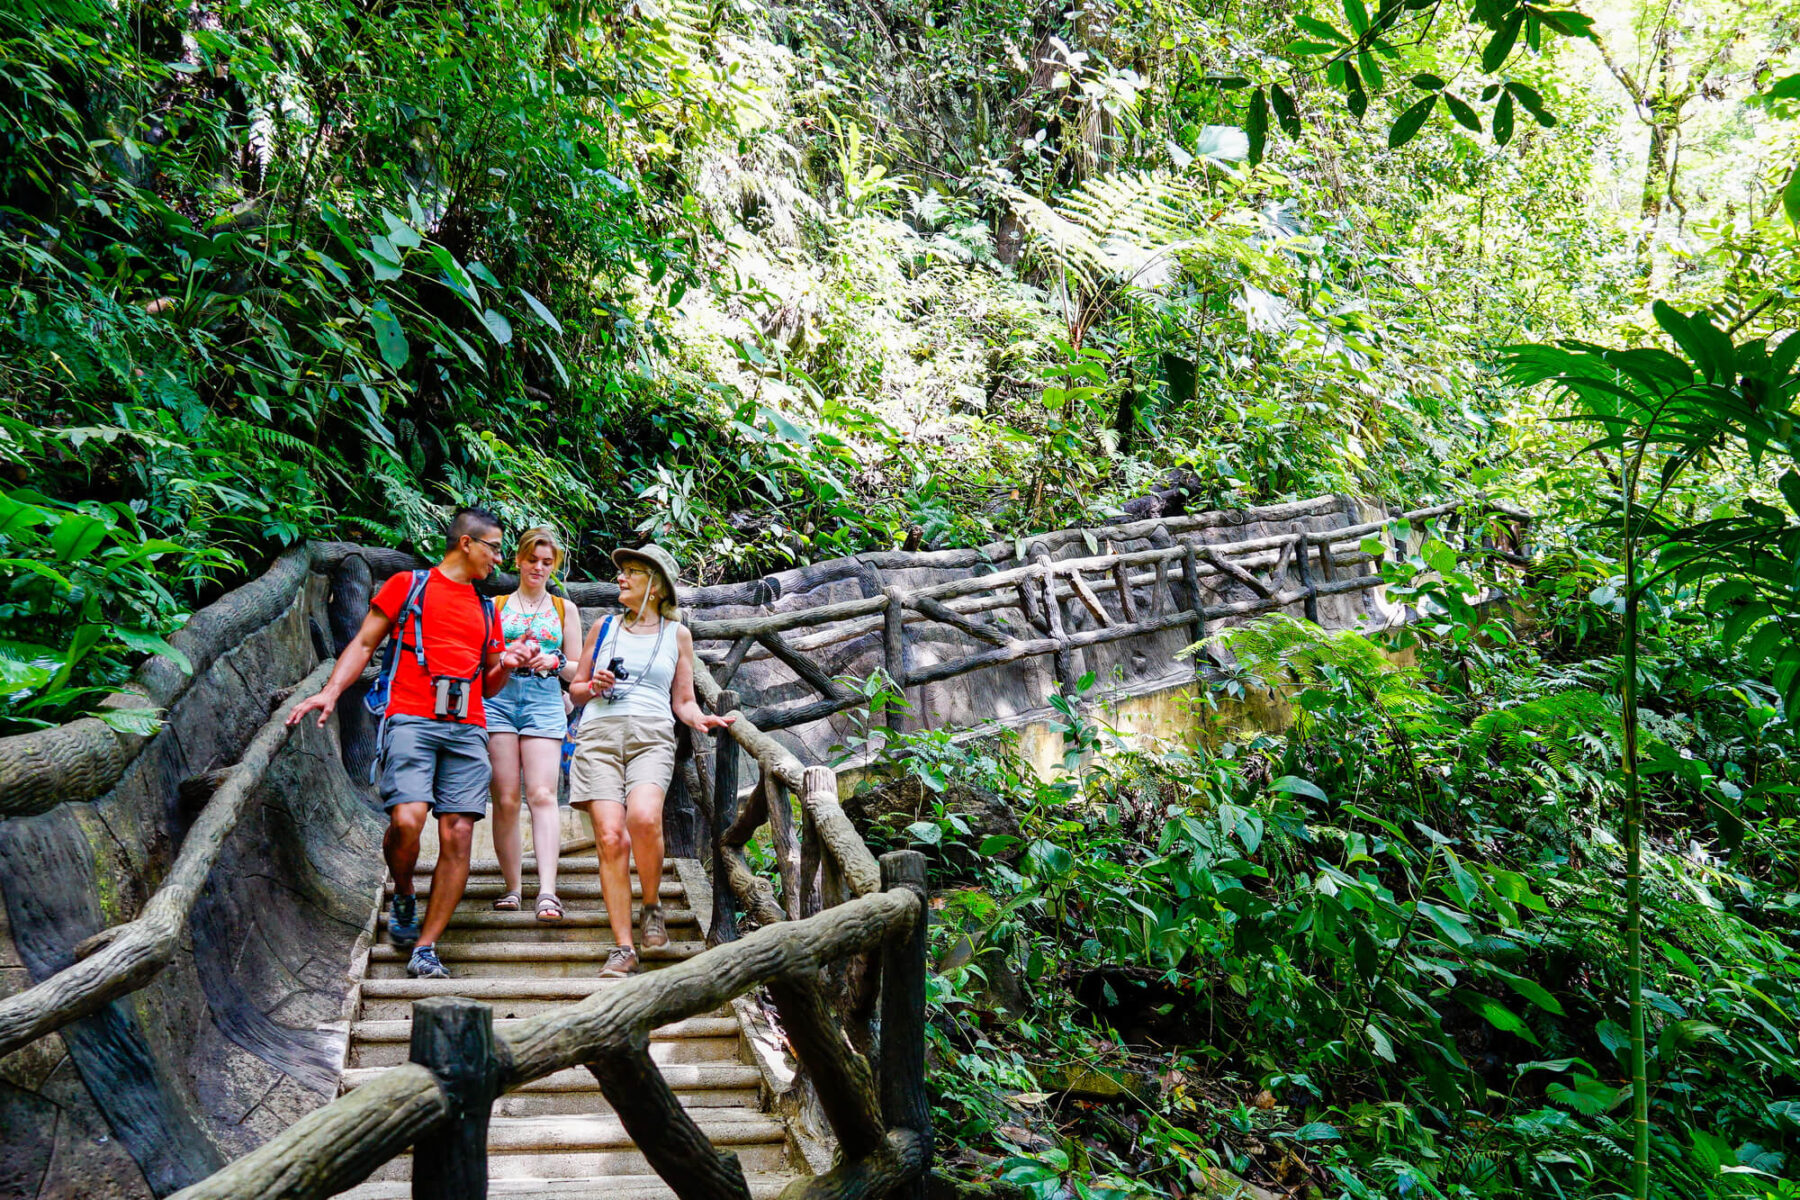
x,y
442,763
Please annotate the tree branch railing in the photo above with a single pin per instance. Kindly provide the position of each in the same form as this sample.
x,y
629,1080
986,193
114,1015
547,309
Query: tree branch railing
x,y
126,957
461,1064
841,913
1047,594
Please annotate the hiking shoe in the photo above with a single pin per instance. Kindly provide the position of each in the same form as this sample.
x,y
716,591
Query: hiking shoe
x,y
424,964
656,930
403,922
620,963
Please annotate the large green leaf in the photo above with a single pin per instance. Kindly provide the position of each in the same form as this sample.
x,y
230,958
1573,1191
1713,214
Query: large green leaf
x,y
1497,1015
498,326
1256,124
149,643
1500,46
543,314
76,536
390,338
1409,122
16,516
1503,119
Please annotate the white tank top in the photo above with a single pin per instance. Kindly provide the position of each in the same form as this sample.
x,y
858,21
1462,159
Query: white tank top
x,y
650,671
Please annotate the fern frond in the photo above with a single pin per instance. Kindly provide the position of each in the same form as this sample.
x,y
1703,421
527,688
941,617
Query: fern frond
x,y
1117,227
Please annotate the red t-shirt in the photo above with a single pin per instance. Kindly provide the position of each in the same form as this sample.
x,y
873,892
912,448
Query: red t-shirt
x,y
454,644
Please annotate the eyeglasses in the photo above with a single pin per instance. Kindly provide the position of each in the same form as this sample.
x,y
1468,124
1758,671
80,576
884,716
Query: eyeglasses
x,y
493,546
633,573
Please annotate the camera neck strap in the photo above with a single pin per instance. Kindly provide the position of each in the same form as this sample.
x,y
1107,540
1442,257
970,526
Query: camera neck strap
x,y
619,693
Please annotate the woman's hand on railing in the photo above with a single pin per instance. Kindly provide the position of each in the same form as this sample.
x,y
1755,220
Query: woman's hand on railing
x,y
705,722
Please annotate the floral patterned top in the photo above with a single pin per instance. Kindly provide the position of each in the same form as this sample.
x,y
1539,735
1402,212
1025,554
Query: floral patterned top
x,y
544,624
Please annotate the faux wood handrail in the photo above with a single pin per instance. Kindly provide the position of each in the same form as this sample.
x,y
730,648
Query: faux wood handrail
x,y
82,759
886,1137
1019,587
126,957
337,1146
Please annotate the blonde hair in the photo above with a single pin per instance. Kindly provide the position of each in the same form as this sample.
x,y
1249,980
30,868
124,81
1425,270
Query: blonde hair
x,y
540,535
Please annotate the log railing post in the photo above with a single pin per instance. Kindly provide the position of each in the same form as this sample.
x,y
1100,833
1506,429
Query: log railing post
x,y
905,1105
840,1075
1064,660
783,841
453,1037
894,653
1128,609
809,864
681,813
1304,568
1190,576
662,1129
725,802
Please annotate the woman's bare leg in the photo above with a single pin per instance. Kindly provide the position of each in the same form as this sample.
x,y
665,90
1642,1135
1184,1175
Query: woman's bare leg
x,y
503,752
614,845
644,822
542,759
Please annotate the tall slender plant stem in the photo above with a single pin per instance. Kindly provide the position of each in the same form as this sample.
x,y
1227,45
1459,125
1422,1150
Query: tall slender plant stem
x,y
1634,859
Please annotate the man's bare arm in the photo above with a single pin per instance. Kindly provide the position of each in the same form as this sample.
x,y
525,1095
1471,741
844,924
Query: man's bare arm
x,y
349,667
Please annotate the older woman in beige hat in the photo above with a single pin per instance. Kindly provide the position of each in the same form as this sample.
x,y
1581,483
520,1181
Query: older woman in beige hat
x,y
636,680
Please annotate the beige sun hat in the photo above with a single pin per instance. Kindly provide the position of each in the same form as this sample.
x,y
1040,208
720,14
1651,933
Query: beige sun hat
x,y
660,561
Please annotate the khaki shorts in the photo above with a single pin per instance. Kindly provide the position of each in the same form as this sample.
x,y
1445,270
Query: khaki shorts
x,y
615,754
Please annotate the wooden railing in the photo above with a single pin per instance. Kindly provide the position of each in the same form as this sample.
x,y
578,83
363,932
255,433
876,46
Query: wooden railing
x,y
879,1112
1151,590
125,957
845,943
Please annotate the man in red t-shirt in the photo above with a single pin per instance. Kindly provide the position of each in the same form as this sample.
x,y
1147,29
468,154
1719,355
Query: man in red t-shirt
x,y
434,757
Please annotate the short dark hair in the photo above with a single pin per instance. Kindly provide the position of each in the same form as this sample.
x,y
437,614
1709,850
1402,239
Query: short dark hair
x,y
469,521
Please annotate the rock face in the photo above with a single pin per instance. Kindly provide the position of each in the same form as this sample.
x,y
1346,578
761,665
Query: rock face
x,y
897,803
234,1039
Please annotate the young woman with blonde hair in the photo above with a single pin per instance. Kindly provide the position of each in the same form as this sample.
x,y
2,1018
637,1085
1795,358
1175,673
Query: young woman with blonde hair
x,y
526,722
636,678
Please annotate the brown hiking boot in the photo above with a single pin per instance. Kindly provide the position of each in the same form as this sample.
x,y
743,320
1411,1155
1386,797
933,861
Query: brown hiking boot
x,y
655,928
620,963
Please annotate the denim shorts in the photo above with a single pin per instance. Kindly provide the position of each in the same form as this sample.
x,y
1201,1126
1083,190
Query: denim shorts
x,y
442,763
530,706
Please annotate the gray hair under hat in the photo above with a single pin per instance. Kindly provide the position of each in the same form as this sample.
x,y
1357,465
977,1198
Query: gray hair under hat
x,y
660,561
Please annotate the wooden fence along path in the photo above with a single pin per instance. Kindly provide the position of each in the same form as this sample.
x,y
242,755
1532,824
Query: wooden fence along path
x,y
841,950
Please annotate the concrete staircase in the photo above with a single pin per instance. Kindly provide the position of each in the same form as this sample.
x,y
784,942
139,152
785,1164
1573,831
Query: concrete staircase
x,y
558,1136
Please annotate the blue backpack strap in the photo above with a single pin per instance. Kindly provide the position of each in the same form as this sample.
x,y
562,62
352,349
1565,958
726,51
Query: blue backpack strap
x,y
568,746
377,697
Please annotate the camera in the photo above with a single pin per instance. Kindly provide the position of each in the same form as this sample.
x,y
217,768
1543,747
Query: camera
x,y
617,669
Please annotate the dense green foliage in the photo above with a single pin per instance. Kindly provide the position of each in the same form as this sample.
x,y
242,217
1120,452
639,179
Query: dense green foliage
x,y
774,282
1381,954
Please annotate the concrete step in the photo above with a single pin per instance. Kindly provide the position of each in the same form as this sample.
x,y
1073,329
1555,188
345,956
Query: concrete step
x,y
615,1187
486,925
721,1048
575,864
512,960
574,1092
481,893
364,1032
391,999
588,1147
